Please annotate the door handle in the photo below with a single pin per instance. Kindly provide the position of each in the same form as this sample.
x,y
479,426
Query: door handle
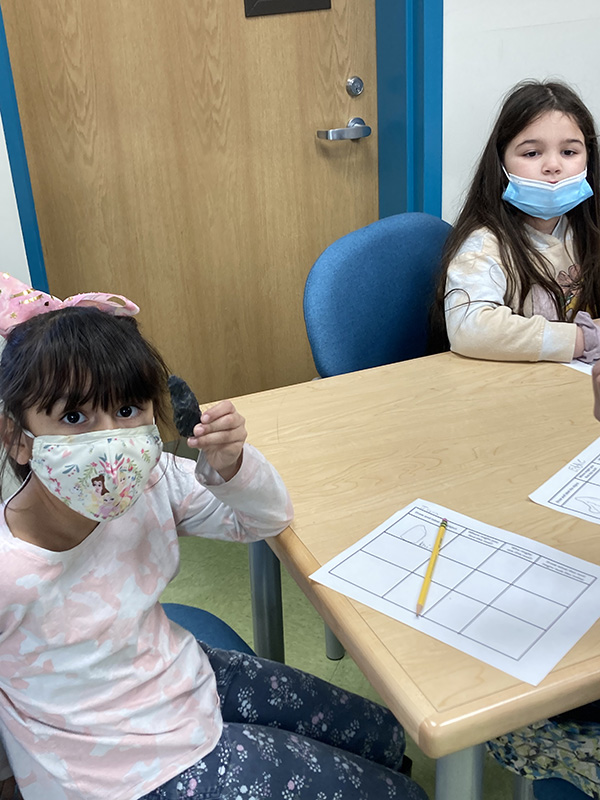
x,y
356,130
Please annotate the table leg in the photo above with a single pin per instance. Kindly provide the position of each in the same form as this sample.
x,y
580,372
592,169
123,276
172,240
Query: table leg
x,y
460,775
267,610
334,649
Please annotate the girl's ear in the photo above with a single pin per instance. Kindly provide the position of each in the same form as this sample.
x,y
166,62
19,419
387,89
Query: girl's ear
x,y
19,450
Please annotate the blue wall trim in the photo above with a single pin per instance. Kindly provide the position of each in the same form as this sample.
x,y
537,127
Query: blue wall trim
x,y
9,111
409,88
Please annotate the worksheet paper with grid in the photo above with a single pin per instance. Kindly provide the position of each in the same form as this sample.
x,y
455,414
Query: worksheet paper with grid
x,y
575,489
580,366
509,601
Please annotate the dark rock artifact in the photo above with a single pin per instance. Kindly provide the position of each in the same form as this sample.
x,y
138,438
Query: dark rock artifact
x,y
186,411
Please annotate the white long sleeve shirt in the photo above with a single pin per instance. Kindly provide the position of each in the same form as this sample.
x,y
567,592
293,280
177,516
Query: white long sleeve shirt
x,y
101,696
481,319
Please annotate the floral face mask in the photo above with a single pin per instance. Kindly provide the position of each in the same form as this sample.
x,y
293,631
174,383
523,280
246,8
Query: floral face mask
x,y
98,474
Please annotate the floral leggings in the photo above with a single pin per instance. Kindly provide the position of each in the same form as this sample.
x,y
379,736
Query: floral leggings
x,y
290,736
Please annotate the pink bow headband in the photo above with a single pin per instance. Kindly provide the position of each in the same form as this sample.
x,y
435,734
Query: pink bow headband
x,y
18,303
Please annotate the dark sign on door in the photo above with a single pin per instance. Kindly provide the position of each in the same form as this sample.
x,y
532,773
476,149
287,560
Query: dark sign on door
x,y
258,8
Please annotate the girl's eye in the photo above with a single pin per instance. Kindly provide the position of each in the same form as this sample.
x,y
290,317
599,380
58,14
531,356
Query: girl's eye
x,y
569,153
128,411
530,154
73,418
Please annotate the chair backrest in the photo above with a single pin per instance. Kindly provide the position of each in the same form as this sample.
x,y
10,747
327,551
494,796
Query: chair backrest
x,y
368,295
207,627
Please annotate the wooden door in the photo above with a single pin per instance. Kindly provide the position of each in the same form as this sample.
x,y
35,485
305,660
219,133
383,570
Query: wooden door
x,y
173,156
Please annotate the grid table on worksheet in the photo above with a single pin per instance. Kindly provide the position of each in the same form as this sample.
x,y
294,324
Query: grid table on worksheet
x,y
580,492
493,594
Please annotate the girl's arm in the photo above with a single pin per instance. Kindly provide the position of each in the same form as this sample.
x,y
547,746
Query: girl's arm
x,y
248,499
252,505
480,325
237,493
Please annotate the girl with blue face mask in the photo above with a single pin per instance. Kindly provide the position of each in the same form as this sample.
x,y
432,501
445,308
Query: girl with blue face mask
x,y
521,268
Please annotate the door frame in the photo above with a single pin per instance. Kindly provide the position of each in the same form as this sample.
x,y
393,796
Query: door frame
x,y
410,105
13,135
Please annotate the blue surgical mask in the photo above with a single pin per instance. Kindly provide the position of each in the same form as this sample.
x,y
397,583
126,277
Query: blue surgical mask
x,y
546,200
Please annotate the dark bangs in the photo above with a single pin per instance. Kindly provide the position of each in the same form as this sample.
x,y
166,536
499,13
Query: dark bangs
x,y
80,355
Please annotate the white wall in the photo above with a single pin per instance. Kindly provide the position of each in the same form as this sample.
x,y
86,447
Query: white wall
x,y
12,249
489,47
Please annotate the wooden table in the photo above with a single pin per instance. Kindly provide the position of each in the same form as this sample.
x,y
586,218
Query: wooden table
x,y
474,436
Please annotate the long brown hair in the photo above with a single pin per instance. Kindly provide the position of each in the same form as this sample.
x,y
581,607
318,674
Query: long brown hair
x,y
485,208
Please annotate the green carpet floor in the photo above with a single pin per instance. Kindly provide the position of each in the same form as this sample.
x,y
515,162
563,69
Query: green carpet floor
x,y
214,576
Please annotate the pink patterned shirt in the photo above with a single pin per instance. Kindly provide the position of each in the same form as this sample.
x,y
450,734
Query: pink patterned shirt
x,y
100,695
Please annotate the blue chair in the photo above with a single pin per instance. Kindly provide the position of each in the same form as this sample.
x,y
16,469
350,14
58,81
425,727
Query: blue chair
x,y
206,627
368,295
367,300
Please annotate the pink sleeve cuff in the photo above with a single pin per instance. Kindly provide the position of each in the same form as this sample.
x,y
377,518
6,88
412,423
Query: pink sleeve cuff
x,y
591,337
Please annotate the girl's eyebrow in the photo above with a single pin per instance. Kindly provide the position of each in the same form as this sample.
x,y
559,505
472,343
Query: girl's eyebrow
x,y
540,141
62,407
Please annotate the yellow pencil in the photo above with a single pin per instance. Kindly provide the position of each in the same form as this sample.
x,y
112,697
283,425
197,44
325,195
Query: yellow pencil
x,y
430,566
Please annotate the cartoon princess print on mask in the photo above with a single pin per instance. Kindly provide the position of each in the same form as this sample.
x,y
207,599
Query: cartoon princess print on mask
x,y
99,485
126,457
